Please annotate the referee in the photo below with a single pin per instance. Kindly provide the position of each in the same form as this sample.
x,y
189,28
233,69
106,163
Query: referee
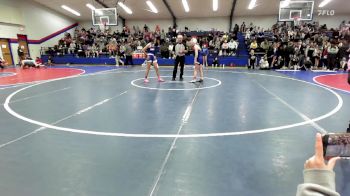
x,y
180,57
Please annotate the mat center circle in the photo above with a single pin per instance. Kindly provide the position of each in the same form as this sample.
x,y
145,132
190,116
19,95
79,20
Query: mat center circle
x,y
177,85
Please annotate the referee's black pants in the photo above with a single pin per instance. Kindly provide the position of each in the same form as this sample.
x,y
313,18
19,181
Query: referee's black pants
x,y
181,60
128,60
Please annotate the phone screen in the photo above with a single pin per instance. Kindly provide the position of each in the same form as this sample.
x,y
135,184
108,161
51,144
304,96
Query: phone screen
x,y
335,145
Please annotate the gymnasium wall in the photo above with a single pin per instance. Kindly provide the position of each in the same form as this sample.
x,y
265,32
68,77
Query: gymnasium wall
x,y
264,22
32,19
219,23
163,23
10,19
267,21
222,23
332,21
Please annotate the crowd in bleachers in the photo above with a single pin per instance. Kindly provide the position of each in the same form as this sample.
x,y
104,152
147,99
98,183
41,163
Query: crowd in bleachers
x,y
303,46
94,42
284,46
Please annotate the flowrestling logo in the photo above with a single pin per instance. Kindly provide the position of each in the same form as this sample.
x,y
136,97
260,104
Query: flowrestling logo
x,y
326,12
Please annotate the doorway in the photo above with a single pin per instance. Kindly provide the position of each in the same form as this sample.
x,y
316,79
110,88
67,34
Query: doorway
x,y
6,51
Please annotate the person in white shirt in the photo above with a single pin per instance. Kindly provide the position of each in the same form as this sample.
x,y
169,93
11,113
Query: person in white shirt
x,y
247,34
264,64
180,51
71,49
232,45
224,48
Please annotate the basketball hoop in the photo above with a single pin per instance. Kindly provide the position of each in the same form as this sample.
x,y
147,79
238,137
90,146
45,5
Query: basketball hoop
x,y
104,22
296,21
103,26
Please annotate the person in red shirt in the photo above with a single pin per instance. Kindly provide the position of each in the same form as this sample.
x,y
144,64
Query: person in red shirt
x,y
38,61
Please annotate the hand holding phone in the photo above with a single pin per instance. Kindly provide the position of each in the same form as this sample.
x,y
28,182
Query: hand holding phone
x,y
317,161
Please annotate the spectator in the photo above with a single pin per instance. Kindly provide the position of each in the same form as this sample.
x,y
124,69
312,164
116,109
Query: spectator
x,y
72,48
307,64
317,55
2,63
253,45
252,60
247,34
162,36
205,53
264,64
303,40
224,48
128,54
50,61
279,64
20,53
295,62
39,62
319,177
171,50
243,28
265,45
236,29
120,49
332,55
232,45
308,40
164,50
217,43
112,47
215,62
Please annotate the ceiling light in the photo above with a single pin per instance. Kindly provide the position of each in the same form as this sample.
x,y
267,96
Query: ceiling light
x,y
285,3
252,4
215,5
185,4
126,8
152,7
90,6
70,10
324,2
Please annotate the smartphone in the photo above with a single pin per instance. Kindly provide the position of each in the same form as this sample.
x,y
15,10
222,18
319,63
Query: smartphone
x,y
336,145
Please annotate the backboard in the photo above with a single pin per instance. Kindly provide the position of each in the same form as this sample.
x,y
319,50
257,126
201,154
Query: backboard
x,y
289,10
107,16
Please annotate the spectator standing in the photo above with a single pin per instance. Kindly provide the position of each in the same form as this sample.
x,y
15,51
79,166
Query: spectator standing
x,y
332,56
252,60
128,54
20,53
